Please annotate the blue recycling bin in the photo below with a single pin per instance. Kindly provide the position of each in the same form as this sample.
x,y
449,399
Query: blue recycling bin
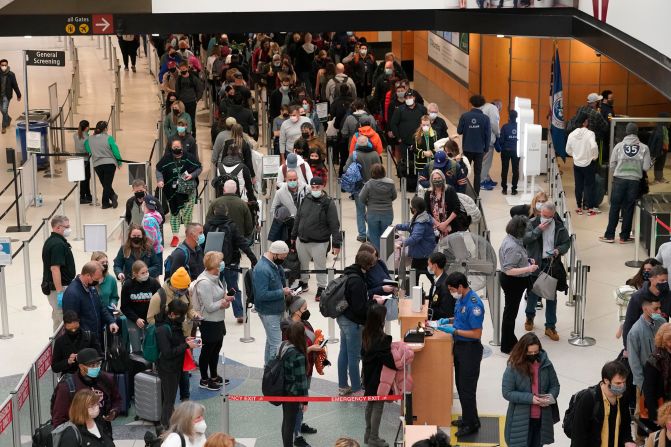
x,y
35,126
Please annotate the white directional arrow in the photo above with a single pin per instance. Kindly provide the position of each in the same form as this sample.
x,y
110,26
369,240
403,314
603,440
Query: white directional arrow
x,y
104,24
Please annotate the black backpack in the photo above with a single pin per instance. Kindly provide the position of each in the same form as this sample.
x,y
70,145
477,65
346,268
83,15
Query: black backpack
x,y
567,423
167,265
273,375
249,288
42,435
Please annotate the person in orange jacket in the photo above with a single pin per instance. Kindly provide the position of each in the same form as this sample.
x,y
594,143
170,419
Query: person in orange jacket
x,y
366,129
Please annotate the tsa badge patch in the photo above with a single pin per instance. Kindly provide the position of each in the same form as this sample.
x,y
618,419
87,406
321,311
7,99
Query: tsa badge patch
x,y
477,311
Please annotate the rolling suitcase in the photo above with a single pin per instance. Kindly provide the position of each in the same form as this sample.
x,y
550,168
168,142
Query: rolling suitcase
x,y
148,400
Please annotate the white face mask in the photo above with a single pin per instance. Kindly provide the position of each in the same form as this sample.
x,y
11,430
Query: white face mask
x,y
456,295
294,119
94,412
546,219
143,278
430,270
433,115
425,128
539,206
364,52
200,426
67,232
409,102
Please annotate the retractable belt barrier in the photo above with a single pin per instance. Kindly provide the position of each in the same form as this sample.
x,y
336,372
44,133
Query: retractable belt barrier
x,y
388,398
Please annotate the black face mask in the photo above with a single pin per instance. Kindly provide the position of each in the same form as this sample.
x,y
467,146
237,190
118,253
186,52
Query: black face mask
x,y
94,284
177,152
305,135
532,357
183,73
136,240
178,320
172,70
139,194
175,111
305,316
278,261
105,268
73,334
313,162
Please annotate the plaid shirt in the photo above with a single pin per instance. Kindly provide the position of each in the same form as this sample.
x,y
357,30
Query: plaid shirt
x,y
597,123
295,374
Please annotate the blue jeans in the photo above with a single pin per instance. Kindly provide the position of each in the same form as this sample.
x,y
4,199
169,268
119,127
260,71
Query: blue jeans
x,y
5,112
360,215
550,309
623,198
350,353
377,223
231,278
271,324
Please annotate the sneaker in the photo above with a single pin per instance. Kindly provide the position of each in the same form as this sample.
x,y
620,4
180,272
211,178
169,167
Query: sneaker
x,y
301,442
513,192
359,393
529,324
487,187
344,391
133,68
626,241
125,68
239,320
608,240
220,380
174,242
591,213
307,430
209,385
552,334
361,238
318,295
504,191
4,130
303,286
85,201
539,304
579,211
492,182
595,211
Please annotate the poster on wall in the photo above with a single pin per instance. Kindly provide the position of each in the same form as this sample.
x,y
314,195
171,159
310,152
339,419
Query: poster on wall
x,y
449,51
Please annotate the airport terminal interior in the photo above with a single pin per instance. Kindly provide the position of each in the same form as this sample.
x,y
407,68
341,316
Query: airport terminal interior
x,y
88,81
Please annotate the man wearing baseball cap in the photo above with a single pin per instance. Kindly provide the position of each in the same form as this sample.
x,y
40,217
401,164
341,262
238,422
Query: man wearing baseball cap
x,y
270,291
597,123
315,226
90,377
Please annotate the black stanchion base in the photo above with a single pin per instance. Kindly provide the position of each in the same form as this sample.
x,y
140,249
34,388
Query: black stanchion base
x,y
17,229
634,264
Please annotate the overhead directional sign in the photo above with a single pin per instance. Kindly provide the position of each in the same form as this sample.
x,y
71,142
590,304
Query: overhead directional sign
x,y
45,58
103,24
78,25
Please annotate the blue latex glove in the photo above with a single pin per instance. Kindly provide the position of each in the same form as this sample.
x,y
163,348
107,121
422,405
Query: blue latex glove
x,y
443,321
447,328
59,300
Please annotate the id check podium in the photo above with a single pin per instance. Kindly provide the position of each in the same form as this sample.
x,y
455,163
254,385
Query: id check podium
x,y
432,370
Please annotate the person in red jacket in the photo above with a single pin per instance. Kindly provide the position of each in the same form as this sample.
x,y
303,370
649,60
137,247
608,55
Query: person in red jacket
x,y
366,129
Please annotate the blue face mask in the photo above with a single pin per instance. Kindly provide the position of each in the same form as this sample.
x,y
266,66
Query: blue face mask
x,y
93,372
181,129
292,183
201,239
658,317
222,266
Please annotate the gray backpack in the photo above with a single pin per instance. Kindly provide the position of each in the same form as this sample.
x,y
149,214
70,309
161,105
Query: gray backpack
x,y
57,433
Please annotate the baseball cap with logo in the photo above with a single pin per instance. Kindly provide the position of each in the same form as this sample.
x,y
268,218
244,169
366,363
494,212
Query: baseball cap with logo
x,y
440,160
594,97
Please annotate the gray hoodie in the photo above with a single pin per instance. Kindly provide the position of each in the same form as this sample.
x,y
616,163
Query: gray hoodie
x,y
366,158
630,158
378,195
210,292
352,122
337,80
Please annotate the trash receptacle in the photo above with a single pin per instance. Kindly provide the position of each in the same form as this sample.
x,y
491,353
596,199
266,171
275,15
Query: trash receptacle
x,y
35,126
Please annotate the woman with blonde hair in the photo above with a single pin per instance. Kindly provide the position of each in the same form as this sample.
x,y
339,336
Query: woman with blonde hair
x,y
84,410
138,247
107,289
171,120
210,294
220,440
346,442
187,426
656,387
532,210
661,437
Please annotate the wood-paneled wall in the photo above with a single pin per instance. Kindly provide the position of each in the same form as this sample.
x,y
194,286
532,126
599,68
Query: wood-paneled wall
x,y
521,66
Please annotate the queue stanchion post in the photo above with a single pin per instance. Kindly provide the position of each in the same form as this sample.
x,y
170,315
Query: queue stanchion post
x,y
412,280
22,202
495,308
78,214
637,263
26,276
18,197
94,202
45,228
331,321
225,411
404,198
578,298
580,339
246,337
389,160
61,206
111,59
4,318
329,163
98,43
105,47
572,273
342,253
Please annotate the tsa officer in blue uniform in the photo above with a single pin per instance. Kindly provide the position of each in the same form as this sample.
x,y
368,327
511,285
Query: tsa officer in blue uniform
x,y
466,330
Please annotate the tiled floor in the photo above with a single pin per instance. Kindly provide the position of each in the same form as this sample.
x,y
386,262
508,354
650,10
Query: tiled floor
x,y
576,367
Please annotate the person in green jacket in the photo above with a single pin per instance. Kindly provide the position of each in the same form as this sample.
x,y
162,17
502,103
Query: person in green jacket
x,y
107,289
106,159
531,387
